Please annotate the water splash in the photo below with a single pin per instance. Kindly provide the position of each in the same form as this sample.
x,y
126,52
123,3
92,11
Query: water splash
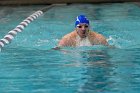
x,y
118,42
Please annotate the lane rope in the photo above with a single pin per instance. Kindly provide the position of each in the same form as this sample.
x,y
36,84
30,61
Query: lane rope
x,y
19,28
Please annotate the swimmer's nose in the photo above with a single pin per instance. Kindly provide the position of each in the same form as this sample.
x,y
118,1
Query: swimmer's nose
x,y
83,28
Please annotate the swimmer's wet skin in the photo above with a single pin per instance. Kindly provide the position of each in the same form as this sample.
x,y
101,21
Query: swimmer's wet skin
x,y
82,36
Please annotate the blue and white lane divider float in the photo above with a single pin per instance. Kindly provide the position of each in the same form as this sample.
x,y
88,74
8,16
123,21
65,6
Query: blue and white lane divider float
x,y
11,34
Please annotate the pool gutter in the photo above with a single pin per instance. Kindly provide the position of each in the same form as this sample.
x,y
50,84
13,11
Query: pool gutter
x,y
27,2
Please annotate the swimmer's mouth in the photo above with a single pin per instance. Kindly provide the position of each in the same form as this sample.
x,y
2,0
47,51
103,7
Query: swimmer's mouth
x,y
84,35
83,32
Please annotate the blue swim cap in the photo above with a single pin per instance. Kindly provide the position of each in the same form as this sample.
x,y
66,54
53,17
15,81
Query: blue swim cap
x,y
81,19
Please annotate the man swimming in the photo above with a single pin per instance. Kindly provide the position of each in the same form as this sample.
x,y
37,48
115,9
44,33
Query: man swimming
x,y
82,36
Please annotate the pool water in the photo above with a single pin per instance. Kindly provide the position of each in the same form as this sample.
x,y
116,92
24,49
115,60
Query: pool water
x,y
29,64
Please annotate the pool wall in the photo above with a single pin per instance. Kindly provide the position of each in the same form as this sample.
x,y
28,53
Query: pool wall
x,y
22,2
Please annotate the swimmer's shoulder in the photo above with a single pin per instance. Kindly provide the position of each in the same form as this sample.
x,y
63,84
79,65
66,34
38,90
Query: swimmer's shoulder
x,y
97,38
68,39
96,35
70,35
92,34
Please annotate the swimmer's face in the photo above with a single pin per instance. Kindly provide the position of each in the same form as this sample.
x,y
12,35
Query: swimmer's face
x,y
82,30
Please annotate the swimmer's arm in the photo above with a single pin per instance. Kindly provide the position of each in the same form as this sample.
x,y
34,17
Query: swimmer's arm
x,y
62,43
97,38
56,48
103,40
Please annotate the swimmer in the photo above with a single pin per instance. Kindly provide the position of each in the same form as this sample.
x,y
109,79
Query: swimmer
x,y
82,36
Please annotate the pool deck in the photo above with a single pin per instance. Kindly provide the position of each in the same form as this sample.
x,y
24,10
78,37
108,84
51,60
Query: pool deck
x,y
26,2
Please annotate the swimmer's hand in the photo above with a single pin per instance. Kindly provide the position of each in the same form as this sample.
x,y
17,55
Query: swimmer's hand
x,y
111,46
56,48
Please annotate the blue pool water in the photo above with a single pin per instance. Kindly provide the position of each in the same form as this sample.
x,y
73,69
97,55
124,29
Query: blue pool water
x,y
29,65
